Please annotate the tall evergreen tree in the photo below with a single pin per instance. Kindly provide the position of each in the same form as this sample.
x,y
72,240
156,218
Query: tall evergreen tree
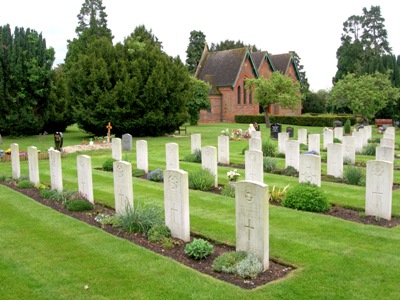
x,y
230,44
195,49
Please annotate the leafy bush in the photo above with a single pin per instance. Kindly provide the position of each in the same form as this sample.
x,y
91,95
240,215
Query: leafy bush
x,y
202,180
249,267
347,160
306,196
194,157
108,165
25,184
47,194
276,195
228,191
78,205
269,147
141,218
281,155
336,140
269,164
374,140
138,172
347,127
199,249
158,233
106,219
226,262
3,178
369,150
353,175
290,171
156,175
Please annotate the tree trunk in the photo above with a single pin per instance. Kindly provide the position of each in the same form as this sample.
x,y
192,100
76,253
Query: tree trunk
x,y
266,115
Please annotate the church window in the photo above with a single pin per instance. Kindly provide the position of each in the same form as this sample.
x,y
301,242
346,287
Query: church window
x,y
238,94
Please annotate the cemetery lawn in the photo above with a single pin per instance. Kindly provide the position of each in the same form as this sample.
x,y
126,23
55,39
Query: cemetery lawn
x,y
47,255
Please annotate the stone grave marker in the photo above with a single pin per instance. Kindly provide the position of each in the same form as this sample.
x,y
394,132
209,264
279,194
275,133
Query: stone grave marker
x,y
255,144
123,191
254,166
256,134
172,156
378,199
142,159
310,169
85,181
387,142
195,140
15,163
55,170
349,148
127,142
335,160
359,141
223,149
252,219
209,161
116,149
275,129
292,156
282,138
176,203
390,130
364,136
314,142
302,136
388,136
338,133
385,153
327,137
33,164
368,130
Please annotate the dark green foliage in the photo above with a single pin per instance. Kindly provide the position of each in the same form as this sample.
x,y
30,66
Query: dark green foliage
x,y
194,50
318,121
269,147
290,171
78,205
370,149
199,249
198,99
194,157
141,218
347,127
47,194
202,180
3,178
108,165
25,184
156,175
230,44
314,102
269,164
227,261
281,155
354,175
228,191
305,196
158,233
336,140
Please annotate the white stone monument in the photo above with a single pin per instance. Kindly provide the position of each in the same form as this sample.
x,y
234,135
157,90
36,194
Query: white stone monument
x,y
314,142
292,156
387,142
123,191
255,144
335,160
302,136
142,159
349,148
310,169
359,141
33,164
256,134
127,142
195,140
364,136
328,137
85,181
282,138
116,150
15,163
223,149
390,130
176,203
338,133
254,169
209,161
172,156
368,130
252,219
385,153
55,170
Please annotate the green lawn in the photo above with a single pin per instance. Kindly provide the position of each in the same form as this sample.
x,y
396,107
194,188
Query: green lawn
x,y
46,255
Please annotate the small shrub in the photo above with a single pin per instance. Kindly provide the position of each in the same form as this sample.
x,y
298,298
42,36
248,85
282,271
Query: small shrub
x,y
199,249
228,191
3,178
269,164
194,157
281,155
306,196
353,175
138,172
249,267
106,219
336,140
347,160
25,184
78,205
277,195
47,194
202,180
64,196
347,126
158,233
290,171
108,165
269,147
374,140
370,149
156,175
227,262
141,218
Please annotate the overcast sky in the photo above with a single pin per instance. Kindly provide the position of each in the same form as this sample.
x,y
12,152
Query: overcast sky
x,y
312,28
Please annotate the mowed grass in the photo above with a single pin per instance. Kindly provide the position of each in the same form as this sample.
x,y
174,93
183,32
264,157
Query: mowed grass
x,y
46,255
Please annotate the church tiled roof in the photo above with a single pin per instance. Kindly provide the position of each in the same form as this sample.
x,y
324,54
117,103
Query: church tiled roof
x,y
281,61
258,58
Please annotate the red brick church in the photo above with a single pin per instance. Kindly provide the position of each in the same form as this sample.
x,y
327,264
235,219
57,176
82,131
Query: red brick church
x,y
226,72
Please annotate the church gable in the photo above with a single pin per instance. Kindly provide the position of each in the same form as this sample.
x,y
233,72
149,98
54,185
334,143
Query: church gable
x,y
263,63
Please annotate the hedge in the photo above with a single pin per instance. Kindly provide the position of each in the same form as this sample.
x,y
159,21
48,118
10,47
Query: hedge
x,y
318,121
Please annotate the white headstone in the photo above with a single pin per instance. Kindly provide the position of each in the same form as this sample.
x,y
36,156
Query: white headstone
x,y
310,169
349,148
359,141
127,142
282,138
387,142
116,149
388,136
338,133
379,189
55,170
85,181
335,160
390,130
385,153
123,191
256,134
195,142
292,156
142,160
302,136
223,149
33,163
255,144
15,163
364,136
328,137
314,142
209,161
172,156
176,203
368,130
254,169
252,219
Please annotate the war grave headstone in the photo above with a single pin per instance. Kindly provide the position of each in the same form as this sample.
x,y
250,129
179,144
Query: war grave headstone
x,y
255,144
55,170
256,134
172,156
364,136
349,149
302,136
327,137
290,131
58,141
33,164
387,142
338,133
275,129
123,191
116,149
127,142
388,136
254,166
176,203
85,181
385,153
195,140
252,219
359,140
368,130
390,130
15,163
292,156
310,169
209,161
335,160
282,138
379,182
142,159
314,142
223,149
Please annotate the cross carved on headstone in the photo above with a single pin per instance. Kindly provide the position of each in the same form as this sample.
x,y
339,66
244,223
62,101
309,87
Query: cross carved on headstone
x,y
249,228
109,127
